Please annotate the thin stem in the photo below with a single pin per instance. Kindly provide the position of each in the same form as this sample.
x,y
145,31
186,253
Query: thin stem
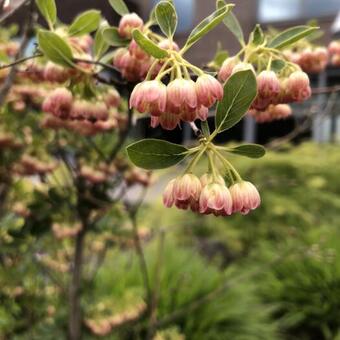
x,y
20,61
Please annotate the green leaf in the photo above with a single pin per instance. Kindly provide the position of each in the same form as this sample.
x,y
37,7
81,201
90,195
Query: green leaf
x,y
232,23
119,6
85,23
249,150
112,37
278,65
239,92
290,36
207,25
166,17
257,37
152,154
100,44
147,45
48,10
55,48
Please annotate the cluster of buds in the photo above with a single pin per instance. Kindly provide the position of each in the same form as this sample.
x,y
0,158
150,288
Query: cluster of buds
x,y
132,61
334,51
104,326
273,89
182,99
136,176
210,195
272,113
84,116
23,95
310,59
29,166
66,231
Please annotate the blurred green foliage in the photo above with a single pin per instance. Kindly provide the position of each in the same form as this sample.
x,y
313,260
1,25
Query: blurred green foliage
x,y
273,274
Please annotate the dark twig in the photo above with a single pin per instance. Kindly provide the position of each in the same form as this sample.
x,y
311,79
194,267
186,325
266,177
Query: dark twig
x,y
20,61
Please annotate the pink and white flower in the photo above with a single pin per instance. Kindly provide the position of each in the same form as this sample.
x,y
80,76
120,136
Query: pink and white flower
x,y
59,103
245,197
209,90
215,199
181,96
149,96
128,23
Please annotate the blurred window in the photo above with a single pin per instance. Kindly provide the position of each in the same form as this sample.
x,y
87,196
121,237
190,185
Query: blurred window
x,y
186,14
285,10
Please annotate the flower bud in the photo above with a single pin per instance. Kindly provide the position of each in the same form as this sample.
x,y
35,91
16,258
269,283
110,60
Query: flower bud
x,y
336,60
149,96
334,47
208,90
59,103
128,23
168,196
245,197
243,67
166,44
215,199
112,98
187,187
181,96
209,179
227,69
268,89
56,74
297,86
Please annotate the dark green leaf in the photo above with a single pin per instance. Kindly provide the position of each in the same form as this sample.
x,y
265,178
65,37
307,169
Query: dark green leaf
x,y
119,6
249,150
208,24
112,37
232,23
257,36
166,17
290,36
48,10
148,46
239,92
85,23
100,44
55,48
152,154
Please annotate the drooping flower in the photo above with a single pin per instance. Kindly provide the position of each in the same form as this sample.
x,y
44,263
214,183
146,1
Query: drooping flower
x,y
245,197
298,86
268,90
209,90
59,103
227,69
181,96
215,199
128,23
183,192
149,96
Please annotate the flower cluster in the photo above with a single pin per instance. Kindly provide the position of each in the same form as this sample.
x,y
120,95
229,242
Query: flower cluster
x,y
210,195
273,112
310,59
273,88
87,116
182,99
